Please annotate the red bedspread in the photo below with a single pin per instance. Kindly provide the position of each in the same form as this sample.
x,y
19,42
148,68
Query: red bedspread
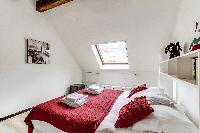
x,y
84,119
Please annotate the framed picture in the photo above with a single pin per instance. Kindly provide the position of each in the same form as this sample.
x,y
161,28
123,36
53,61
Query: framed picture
x,y
38,52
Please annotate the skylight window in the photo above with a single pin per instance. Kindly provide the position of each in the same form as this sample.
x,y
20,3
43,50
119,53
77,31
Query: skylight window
x,y
111,55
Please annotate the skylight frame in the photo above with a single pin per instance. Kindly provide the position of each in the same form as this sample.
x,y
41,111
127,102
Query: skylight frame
x,y
112,65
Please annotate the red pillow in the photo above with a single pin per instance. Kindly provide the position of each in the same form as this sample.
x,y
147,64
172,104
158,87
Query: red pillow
x,y
137,89
133,112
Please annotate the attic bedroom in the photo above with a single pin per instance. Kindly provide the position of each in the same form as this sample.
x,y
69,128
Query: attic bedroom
x,y
99,66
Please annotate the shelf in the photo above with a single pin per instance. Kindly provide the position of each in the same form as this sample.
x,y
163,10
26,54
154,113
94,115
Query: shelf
x,y
188,81
192,54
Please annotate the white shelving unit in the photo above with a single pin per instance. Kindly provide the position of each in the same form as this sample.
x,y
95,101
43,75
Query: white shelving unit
x,y
188,81
180,68
177,77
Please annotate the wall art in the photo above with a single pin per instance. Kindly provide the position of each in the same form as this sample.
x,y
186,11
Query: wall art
x,y
38,52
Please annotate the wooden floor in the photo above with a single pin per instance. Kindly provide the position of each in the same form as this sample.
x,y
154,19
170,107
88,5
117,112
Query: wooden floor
x,y
15,125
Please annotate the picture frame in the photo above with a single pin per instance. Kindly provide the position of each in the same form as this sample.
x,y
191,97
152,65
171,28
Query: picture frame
x,y
38,52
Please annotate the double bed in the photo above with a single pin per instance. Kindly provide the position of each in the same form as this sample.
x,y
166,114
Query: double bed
x,y
104,109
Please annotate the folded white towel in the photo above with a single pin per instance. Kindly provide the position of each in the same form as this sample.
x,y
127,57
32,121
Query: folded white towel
x,y
99,91
74,97
79,103
94,87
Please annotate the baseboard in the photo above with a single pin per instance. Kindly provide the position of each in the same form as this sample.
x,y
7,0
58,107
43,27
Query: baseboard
x,y
15,114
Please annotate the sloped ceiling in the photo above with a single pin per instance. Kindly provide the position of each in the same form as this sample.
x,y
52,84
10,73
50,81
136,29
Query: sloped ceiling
x,y
146,25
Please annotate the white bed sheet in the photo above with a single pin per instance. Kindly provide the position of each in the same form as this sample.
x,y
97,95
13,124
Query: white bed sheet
x,y
107,125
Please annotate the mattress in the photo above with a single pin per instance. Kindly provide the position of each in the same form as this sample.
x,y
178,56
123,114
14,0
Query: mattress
x,y
163,118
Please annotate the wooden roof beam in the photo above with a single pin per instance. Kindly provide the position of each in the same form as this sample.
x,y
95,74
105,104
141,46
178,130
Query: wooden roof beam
x,y
44,5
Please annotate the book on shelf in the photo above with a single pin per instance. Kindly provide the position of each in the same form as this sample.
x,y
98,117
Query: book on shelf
x,y
194,69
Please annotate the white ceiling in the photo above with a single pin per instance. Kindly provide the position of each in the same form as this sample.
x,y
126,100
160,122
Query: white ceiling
x,y
146,25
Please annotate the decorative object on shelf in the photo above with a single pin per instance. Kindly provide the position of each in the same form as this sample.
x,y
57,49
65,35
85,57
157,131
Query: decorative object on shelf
x,y
194,68
174,49
44,5
186,48
38,52
195,44
197,27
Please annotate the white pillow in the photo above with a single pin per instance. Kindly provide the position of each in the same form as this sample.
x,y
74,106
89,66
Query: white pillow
x,y
160,100
150,92
167,120
155,96
156,89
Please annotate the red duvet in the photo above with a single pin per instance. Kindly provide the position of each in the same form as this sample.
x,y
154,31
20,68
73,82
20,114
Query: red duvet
x,y
84,119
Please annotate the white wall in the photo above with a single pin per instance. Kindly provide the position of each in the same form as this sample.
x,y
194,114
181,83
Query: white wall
x,y
188,14
114,77
120,78
144,24
23,85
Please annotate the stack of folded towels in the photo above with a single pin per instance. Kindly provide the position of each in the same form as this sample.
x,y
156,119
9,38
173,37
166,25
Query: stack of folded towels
x,y
74,99
95,89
